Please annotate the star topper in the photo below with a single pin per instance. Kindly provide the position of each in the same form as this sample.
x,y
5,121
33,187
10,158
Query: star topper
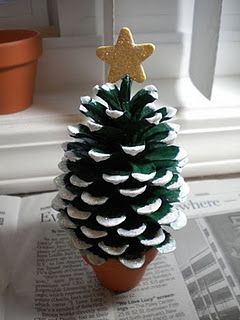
x,y
125,57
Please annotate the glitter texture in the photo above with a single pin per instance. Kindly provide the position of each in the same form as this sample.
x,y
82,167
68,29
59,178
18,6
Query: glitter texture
x,y
133,263
125,57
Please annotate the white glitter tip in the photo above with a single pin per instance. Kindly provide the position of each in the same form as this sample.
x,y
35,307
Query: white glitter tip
x,y
114,114
168,247
133,150
80,244
152,207
110,222
180,222
142,177
132,232
95,259
93,234
85,99
93,126
151,88
163,180
76,181
91,200
114,251
77,214
114,179
158,239
73,129
133,263
132,192
99,156
155,119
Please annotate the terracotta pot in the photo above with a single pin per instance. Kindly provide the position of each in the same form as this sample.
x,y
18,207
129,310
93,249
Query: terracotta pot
x,y
116,277
19,51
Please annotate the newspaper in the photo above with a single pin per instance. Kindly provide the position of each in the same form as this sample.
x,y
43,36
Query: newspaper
x,y
42,278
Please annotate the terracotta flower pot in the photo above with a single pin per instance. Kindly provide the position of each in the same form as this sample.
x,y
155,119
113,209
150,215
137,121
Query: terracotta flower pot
x,y
116,277
19,51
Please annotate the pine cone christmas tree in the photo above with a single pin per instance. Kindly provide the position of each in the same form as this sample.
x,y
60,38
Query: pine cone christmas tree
x,y
121,181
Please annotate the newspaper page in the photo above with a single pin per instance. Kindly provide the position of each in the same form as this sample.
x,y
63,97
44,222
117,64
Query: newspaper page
x,y
210,265
208,197
200,280
208,249
9,209
52,282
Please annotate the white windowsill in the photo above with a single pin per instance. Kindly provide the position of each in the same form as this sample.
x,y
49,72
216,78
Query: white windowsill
x,y
30,140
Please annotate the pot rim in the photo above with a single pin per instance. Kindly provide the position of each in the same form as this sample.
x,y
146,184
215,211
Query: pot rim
x,y
114,276
19,50
23,34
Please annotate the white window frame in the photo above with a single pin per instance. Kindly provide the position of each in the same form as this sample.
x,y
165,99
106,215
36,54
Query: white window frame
x,y
30,141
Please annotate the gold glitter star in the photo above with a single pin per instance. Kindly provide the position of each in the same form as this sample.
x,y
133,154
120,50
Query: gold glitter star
x,y
125,57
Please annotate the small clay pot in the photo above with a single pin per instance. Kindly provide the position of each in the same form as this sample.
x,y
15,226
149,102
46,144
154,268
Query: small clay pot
x,y
19,51
118,278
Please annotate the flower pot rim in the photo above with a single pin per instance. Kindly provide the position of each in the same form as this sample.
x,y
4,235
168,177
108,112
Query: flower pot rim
x,y
20,35
19,50
113,275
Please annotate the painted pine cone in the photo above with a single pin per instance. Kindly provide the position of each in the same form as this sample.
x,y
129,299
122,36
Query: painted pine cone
x,y
121,180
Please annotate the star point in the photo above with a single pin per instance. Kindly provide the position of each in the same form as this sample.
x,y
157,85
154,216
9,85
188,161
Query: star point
x,y
125,57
